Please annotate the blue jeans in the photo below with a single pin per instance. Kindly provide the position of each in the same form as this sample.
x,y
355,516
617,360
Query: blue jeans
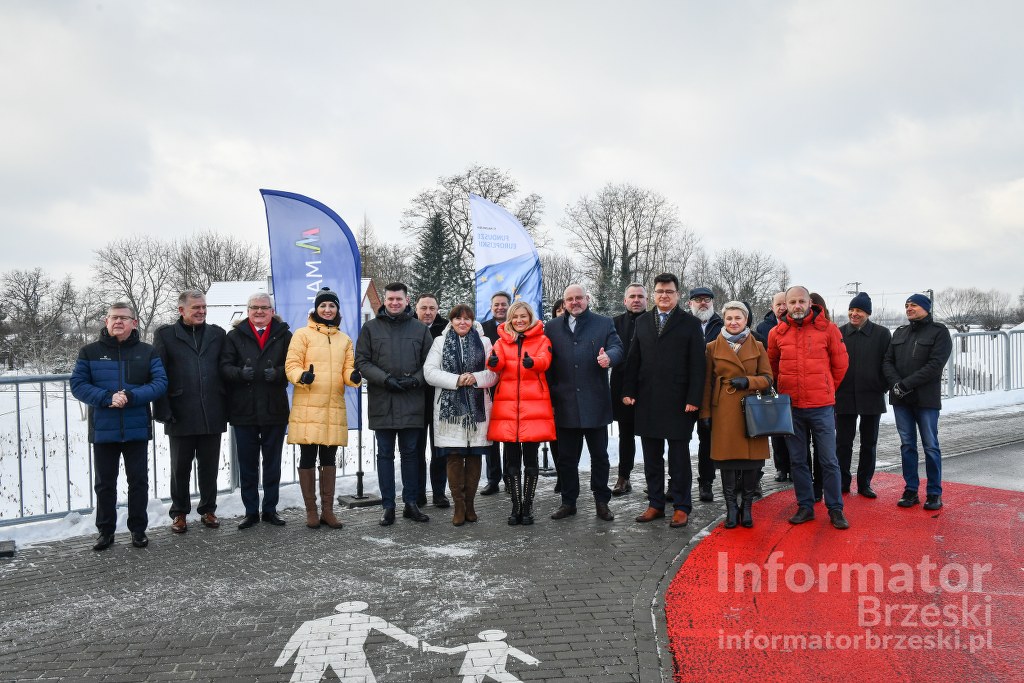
x,y
821,423
910,420
408,441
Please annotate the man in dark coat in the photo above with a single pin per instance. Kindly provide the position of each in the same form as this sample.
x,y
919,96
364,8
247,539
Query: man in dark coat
x,y
861,395
193,411
390,354
584,346
635,301
252,366
913,369
771,318
500,301
118,377
702,306
427,313
665,382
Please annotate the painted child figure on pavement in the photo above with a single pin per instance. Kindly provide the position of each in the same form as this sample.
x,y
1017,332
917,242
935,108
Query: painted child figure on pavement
x,y
487,659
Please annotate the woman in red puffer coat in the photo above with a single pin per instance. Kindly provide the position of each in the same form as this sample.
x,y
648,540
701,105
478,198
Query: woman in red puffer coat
x,y
521,416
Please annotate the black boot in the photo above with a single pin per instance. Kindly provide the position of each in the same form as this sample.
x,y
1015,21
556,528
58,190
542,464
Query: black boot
x,y
729,492
514,487
749,485
529,490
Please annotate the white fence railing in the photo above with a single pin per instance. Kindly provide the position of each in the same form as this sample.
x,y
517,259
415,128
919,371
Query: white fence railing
x,y
985,361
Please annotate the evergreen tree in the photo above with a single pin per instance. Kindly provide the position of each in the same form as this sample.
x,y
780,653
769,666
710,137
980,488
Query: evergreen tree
x,y
436,268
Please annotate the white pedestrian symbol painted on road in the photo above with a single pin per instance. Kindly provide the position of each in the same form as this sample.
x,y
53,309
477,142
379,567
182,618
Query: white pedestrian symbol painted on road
x,y
486,659
336,642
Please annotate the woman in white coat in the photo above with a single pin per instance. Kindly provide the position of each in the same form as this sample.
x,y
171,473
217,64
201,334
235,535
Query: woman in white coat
x,y
462,408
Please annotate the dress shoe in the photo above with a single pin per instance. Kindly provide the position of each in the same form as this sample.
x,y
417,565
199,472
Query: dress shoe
x,y
139,539
706,494
179,525
489,490
210,520
679,518
603,512
441,502
781,476
103,541
422,501
388,518
846,488
563,511
249,521
412,512
838,519
650,514
802,515
622,487
273,518
909,499
867,492
932,502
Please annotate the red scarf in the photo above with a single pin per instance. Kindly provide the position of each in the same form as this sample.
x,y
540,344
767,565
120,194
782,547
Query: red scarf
x,y
261,338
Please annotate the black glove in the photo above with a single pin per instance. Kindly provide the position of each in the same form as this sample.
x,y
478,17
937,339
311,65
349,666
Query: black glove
x,y
355,377
393,385
492,362
900,390
409,383
308,376
527,361
705,422
739,382
248,373
269,373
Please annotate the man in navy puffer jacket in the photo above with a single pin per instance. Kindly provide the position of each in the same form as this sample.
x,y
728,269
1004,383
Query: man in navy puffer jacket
x,y
118,377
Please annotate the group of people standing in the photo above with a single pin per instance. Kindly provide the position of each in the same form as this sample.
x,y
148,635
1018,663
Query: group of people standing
x,y
496,391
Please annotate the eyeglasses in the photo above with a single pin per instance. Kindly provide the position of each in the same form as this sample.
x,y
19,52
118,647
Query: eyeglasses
x,y
701,300
120,318
660,292
261,308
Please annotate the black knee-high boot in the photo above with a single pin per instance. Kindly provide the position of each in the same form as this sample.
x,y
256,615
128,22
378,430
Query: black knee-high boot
x,y
749,485
729,493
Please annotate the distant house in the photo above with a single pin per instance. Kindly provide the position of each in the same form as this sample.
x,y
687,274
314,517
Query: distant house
x,y
225,301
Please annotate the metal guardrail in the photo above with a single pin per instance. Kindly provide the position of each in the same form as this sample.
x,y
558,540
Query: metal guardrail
x,y
46,447
985,361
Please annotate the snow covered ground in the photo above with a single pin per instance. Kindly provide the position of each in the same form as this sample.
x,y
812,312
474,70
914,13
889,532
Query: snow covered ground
x,y
230,506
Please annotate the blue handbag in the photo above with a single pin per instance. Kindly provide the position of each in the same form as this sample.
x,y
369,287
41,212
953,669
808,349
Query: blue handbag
x,y
767,414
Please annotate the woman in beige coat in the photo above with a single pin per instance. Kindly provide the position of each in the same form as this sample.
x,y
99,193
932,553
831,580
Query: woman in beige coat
x,y
737,366
320,363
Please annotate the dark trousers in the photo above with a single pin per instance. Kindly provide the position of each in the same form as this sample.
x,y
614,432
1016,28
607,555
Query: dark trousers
x,y
205,450
679,473
407,443
438,467
570,449
780,454
250,442
846,426
520,455
627,446
309,453
493,462
105,458
705,466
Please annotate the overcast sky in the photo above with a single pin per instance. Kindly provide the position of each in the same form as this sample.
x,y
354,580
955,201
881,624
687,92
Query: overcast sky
x,y
880,142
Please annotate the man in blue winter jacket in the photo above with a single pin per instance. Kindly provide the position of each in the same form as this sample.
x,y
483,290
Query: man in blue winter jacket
x,y
118,377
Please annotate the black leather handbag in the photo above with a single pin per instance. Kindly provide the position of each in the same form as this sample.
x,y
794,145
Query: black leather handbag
x,y
767,414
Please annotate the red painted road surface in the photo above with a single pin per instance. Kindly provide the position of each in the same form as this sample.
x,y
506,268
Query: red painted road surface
x,y
903,595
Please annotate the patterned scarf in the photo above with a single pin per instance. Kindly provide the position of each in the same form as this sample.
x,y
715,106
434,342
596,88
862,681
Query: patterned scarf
x,y
736,340
464,405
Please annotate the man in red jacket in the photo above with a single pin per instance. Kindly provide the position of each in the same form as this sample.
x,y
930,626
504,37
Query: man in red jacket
x,y
809,361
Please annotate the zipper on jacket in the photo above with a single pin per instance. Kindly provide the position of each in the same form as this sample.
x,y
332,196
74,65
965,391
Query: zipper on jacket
x,y
120,387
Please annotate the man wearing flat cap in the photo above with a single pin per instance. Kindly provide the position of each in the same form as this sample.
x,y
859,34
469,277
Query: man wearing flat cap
x,y
913,369
861,394
702,305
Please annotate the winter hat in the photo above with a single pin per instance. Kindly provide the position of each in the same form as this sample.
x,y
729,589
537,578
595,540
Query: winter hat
x,y
921,300
326,294
861,301
701,291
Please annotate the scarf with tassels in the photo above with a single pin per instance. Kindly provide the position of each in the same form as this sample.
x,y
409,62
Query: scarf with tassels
x,y
465,405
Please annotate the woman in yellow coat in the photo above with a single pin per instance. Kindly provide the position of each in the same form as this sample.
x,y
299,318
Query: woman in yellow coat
x,y
320,363
737,366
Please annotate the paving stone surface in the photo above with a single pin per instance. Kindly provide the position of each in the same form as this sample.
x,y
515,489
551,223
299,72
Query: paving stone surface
x,y
582,596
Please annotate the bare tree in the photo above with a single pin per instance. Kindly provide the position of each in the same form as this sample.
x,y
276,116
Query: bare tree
x,y
37,309
208,257
386,262
140,271
558,272
995,310
959,306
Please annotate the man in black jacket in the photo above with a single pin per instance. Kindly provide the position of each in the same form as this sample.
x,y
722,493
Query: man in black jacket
x,y
193,411
861,394
702,305
427,313
252,366
500,301
913,369
635,301
780,452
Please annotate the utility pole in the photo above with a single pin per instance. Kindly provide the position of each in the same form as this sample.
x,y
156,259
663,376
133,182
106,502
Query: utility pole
x,y
856,288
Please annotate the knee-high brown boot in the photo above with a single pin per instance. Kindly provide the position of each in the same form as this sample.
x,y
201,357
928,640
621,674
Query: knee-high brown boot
x,y
473,467
328,482
307,484
457,484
